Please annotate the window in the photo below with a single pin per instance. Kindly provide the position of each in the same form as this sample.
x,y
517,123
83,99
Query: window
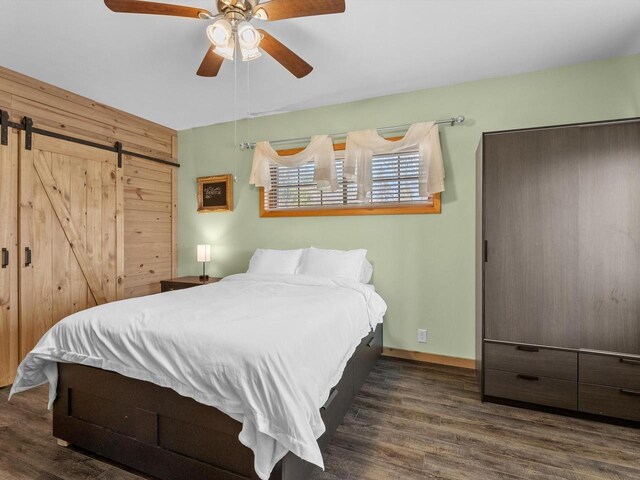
x,y
395,190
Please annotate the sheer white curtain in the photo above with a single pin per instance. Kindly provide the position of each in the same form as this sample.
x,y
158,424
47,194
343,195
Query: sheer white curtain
x,y
319,150
360,149
363,145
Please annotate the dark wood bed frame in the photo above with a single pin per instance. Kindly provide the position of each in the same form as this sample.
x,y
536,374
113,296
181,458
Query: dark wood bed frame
x,y
161,433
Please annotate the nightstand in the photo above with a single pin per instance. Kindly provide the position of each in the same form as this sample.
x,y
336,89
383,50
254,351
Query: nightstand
x,y
185,282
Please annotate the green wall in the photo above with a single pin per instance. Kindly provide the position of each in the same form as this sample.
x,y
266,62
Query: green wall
x,y
423,264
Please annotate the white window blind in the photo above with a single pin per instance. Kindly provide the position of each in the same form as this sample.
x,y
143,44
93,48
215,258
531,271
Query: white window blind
x,y
395,182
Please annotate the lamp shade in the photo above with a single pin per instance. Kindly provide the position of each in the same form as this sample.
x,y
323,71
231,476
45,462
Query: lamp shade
x,y
221,36
249,39
204,253
220,33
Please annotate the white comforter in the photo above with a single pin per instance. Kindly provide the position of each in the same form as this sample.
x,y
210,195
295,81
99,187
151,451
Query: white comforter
x,y
265,350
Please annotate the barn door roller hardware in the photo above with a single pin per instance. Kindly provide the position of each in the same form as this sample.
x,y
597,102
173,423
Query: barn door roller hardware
x,y
27,126
118,147
4,127
28,132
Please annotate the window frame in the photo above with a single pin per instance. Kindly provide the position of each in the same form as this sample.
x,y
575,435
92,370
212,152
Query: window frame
x,y
408,209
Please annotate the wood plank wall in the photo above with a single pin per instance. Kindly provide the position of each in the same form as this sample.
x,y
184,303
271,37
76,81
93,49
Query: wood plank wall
x,y
64,112
150,243
149,225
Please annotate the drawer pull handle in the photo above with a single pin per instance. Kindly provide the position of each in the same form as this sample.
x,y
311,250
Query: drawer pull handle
x,y
5,258
630,392
27,256
332,397
530,378
370,342
524,348
630,361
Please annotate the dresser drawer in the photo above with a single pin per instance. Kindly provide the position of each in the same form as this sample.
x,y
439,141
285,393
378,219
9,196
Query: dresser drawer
x,y
542,362
552,392
610,370
609,401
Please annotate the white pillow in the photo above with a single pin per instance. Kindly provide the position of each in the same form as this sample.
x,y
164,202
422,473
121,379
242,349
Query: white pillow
x,y
367,271
279,262
350,264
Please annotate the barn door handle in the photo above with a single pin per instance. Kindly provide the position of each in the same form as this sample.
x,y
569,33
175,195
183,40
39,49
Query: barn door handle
x,y
5,258
332,397
27,256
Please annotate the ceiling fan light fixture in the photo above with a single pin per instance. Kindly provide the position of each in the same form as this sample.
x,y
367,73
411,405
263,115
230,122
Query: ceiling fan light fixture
x,y
220,33
248,36
248,55
249,39
225,52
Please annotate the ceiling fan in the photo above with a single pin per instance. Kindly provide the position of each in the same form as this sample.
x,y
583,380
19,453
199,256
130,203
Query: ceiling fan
x,y
232,29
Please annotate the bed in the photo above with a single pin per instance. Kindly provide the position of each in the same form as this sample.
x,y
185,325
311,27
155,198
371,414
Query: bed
x,y
160,433
243,379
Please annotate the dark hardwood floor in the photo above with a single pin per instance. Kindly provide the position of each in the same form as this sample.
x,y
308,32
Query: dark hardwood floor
x,y
410,421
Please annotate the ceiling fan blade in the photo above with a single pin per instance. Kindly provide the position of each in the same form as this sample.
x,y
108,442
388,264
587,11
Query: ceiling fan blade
x,y
284,56
210,65
154,8
281,9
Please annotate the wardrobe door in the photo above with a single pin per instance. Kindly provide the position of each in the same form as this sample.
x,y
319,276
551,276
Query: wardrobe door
x,y
70,232
531,228
610,237
9,266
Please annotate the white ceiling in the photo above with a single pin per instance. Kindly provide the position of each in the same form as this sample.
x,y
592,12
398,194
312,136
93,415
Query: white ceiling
x,y
146,64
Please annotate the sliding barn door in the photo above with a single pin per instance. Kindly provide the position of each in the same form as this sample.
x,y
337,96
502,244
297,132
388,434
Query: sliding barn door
x,y
71,232
9,271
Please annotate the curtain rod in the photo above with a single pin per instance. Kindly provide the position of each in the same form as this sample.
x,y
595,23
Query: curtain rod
x,y
458,120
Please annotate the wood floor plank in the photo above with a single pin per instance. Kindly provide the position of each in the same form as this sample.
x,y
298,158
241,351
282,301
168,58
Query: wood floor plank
x,y
14,469
484,452
442,407
44,455
411,421
618,456
545,423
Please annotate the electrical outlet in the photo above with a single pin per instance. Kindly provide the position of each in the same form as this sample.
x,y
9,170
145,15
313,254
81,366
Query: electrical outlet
x,y
422,336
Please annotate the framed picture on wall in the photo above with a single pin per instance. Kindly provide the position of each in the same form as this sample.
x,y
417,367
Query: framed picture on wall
x,y
215,194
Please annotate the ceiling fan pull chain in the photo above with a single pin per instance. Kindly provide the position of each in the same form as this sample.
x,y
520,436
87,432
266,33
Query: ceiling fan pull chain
x,y
235,117
248,135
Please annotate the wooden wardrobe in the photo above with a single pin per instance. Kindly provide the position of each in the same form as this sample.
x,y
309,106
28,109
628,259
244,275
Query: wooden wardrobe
x,y
87,209
559,267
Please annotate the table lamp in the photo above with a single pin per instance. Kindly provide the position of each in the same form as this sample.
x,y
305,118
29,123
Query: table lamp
x,y
204,256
